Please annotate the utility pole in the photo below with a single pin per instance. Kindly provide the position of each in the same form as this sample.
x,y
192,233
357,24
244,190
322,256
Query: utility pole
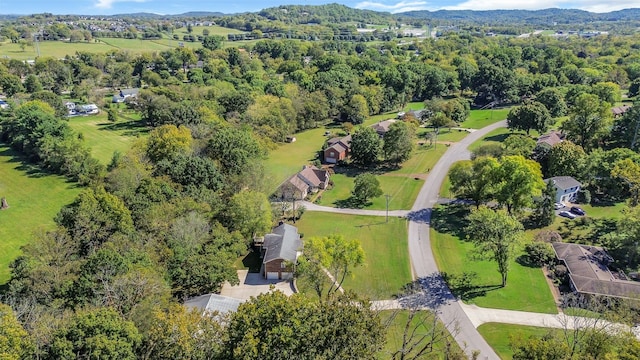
x,y
387,196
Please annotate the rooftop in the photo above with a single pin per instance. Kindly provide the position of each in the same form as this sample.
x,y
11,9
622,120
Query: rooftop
x,y
589,271
283,243
213,302
564,182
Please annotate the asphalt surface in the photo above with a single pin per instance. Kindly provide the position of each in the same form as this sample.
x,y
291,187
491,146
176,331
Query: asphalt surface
x,y
423,263
309,206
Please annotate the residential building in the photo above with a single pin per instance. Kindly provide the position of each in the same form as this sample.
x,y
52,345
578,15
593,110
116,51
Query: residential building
x,y
338,149
309,180
589,271
280,251
211,303
123,94
383,126
566,188
551,138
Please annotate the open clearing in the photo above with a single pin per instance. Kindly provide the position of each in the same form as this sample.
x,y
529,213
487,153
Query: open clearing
x,y
499,336
34,199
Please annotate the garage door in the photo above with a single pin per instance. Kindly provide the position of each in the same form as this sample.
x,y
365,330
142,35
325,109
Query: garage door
x,y
330,160
272,276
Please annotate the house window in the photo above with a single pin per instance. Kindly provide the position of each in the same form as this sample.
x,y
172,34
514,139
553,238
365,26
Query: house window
x,y
332,154
283,265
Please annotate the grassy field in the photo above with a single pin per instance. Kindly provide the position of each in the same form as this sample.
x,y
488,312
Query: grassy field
x,y
496,136
396,322
386,267
400,184
480,118
526,288
287,159
213,30
104,137
34,199
499,336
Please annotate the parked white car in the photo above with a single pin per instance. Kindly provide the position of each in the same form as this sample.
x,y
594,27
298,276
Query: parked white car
x,y
567,214
558,206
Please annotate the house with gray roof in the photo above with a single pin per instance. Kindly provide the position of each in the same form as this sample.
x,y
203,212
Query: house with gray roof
x,y
280,251
382,127
589,272
566,188
551,138
212,303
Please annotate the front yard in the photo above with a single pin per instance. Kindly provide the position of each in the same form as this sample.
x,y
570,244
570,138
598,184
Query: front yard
x,y
402,185
386,267
526,288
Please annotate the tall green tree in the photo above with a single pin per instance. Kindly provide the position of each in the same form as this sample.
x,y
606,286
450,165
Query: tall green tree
x,y
474,180
15,343
333,253
398,143
545,210
553,100
589,120
365,187
274,326
249,213
495,235
531,116
95,334
517,181
567,159
365,146
167,141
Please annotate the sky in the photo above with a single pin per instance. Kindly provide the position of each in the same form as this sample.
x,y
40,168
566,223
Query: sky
x,y
109,7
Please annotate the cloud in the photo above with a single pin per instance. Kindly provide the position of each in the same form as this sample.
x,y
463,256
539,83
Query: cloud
x,y
107,4
401,6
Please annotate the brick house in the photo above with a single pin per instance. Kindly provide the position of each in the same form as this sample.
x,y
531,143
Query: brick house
x,y
309,180
280,252
338,149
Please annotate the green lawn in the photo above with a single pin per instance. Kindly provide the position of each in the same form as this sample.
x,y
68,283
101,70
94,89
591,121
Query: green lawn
x,y
499,336
526,288
480,118
496,136
287,159
104,137
213,30
55,49
400,184
34,199
396,322
387,266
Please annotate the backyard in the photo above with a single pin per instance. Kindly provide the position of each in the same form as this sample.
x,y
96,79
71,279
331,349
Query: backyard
x,y
34,198
104,137
386,269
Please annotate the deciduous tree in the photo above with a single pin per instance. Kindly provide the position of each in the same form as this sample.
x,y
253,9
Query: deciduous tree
x,y
517,181
495,235
589,119
365,146
398,143
365,187
531,116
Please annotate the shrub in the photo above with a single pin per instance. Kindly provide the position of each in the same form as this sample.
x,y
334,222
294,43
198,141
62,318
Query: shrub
x,y
584,196
548,236
539,253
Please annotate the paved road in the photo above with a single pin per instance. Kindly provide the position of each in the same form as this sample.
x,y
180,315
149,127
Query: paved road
x,y
315,207
423,263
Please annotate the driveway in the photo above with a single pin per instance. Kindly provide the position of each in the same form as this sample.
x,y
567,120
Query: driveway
x,y
254,284
309,206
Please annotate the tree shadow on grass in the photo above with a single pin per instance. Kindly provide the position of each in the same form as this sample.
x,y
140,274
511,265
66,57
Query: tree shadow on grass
x,y
130,128
32,170
497,138
450,219
350,203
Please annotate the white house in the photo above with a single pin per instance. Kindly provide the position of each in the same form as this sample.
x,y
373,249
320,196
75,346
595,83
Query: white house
x,y
566,188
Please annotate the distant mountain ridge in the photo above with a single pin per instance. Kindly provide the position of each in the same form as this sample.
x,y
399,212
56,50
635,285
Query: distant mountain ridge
x,y
544,16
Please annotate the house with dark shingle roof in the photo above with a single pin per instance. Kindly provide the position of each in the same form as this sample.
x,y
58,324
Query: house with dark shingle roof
x,y
382,127
620,110
280,251
566,188
337,149
589,272
552,138
309,180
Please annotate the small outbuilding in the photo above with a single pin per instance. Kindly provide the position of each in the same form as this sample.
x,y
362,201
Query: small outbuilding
x,y
211,303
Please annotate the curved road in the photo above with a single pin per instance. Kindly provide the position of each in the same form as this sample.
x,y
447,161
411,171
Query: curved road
x,y
423,262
